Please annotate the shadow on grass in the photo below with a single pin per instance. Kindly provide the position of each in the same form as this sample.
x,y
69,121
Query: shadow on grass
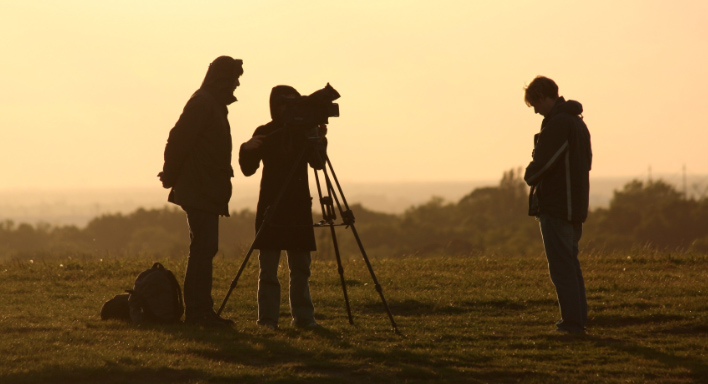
x,y
694,329
697,368
618,321
338,361
467,368
29,329
278,356
411,307
250,354
346,362
111,374
639,306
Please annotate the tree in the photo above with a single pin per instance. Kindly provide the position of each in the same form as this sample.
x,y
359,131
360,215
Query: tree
x,y
652,213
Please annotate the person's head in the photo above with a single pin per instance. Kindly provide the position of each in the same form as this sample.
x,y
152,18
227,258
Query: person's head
x,y
278,99
541,94
223,75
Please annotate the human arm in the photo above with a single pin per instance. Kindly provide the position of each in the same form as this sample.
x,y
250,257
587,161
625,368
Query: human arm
x,y
550,144
250,153
182,138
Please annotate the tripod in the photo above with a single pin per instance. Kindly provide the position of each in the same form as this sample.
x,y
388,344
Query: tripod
x,y
329,216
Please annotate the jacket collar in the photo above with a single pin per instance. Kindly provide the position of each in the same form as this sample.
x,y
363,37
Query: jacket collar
x,y
220,95
554,111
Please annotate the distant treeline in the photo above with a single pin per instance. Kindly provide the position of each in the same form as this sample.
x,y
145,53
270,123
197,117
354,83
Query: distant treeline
x,y
489,220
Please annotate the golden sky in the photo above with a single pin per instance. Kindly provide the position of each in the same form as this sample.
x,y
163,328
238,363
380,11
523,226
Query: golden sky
x,y
430,90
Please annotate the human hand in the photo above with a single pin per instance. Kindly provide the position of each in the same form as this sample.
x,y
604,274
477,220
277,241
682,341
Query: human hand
x,y
166,183
254,143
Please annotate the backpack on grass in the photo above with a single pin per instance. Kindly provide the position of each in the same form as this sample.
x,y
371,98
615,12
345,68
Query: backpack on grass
x,y
156,297
116,308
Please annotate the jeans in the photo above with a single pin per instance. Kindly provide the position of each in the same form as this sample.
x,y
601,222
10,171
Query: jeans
x,y
301,307
560,239
204,243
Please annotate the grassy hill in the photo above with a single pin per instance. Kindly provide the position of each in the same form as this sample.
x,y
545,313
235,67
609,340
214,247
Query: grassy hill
x,y
474,320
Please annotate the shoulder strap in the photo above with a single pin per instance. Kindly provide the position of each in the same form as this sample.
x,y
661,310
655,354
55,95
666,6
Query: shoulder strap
x,y
180,303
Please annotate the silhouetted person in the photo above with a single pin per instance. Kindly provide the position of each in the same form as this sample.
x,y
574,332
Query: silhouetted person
x,y
559,176
278,144
198,169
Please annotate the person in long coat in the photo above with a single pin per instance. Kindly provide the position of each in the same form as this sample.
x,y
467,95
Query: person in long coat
x,y
198,171
285,151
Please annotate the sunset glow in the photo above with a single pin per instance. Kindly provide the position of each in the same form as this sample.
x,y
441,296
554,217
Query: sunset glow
x,y
430,91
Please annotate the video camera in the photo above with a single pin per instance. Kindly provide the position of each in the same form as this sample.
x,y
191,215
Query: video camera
x,y
310,111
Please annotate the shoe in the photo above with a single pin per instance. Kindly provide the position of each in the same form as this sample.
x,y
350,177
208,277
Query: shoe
x,y
571,331
564,328
222,319
208,320
311,325
269,325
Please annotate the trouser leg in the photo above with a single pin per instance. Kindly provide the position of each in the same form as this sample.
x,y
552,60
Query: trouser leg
x,y
204,243
301,307
559,240
268,287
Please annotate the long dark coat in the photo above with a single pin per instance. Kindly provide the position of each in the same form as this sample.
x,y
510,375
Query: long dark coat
x,y
198,152
291,225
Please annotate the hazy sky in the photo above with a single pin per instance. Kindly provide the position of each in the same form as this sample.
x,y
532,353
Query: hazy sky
x,y
431,90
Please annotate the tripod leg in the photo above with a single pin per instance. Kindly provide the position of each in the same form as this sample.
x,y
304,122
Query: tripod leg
x,y
235,280
329,217
340,269
373,276
266,220
349,220
319,192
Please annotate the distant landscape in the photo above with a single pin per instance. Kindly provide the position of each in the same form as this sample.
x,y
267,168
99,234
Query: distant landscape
x,y
490,220
78,206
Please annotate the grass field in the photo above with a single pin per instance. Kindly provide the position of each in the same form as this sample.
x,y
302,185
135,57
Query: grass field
x,y
472,320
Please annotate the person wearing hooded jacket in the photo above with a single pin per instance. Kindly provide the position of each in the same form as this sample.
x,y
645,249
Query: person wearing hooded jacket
x,y
198,171
560,186
284,150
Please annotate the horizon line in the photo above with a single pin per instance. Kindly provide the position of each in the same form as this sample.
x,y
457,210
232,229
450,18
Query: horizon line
x,y
157,187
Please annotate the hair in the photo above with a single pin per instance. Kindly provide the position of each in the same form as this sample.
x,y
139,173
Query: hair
x,y
539,88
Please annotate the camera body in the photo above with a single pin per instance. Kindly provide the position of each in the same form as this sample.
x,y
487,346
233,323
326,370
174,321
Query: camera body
x,y
307,112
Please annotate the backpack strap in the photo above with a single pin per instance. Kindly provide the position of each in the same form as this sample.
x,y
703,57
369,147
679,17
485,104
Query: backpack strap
x,y
171,277
175,284
141,309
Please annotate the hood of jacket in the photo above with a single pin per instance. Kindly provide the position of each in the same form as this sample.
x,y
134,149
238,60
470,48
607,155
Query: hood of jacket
x,y
220,78
571,107
277,99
